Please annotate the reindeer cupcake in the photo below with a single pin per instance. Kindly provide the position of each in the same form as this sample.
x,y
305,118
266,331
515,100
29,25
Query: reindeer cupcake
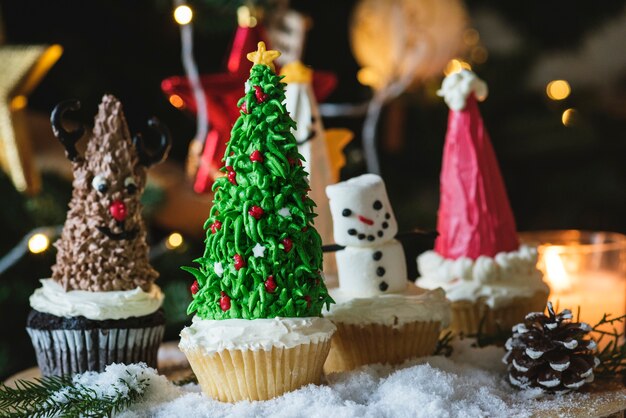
x,y
101,305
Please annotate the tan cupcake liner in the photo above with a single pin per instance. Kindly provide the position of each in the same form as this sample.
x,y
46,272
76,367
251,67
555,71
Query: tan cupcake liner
x,y
353,346
256,375
467,316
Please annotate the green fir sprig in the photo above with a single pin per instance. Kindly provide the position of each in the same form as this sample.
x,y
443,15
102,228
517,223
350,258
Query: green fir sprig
x,y
54,396
613,355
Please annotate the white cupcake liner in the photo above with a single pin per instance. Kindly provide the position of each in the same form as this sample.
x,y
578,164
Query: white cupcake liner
x,y
67,352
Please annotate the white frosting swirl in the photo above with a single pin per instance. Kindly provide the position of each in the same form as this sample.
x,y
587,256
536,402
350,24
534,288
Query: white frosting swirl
x,y
254,334
392,310
457,87
51,298
497,280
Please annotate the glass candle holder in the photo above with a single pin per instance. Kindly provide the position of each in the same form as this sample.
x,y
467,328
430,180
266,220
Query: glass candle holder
x,y
585,270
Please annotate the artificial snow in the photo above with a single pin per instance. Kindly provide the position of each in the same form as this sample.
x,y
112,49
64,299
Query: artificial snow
x,y
470,383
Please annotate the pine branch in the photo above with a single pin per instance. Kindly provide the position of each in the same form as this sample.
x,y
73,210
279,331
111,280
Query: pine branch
x,y
444,345
613,356
189,379
61,396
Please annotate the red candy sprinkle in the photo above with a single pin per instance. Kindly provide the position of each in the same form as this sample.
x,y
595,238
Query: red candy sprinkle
x,y
224,301
239,262
288,244
293,161
256,156
260,95
270,284
231,175
195,287
216,226
306,228
308,301
256,212
243,108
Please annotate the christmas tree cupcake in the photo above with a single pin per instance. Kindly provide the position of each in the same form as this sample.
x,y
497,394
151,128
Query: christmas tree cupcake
x,y
257,330
379,317
489,277
101,305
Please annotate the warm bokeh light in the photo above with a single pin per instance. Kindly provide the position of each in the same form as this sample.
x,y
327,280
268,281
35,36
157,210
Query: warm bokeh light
x,y
176,101
368,77
174,241
558,89
183,14
19,102
456,65
38,243
471,37
569,117
479,55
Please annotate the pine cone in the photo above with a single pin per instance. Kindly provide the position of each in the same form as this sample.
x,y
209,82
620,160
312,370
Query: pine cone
x,y
551,352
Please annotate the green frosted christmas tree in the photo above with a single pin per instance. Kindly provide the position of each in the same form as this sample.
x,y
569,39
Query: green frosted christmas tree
x,y
263,257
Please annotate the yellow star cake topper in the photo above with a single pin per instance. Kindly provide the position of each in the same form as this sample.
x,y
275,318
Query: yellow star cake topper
x,y
296,72
263,56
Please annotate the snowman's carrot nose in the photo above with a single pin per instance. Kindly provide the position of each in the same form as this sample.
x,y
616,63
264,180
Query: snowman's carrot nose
x,y
366,220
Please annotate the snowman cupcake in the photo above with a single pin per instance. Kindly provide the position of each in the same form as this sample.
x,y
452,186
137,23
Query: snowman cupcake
x,y
379,317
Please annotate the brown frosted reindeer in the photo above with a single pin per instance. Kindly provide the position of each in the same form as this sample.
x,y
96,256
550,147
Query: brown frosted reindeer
x,y
103,244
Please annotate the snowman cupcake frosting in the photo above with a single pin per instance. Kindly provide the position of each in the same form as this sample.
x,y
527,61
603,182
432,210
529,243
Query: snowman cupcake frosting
x,y
379,317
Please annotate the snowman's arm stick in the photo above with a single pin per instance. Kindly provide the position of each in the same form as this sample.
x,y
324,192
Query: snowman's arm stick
x,y
331,248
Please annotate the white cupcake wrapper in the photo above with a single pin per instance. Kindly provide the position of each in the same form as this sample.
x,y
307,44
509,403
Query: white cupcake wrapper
x,y
67,352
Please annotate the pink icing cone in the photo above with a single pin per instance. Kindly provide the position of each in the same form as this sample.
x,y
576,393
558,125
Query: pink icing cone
x,y
475,216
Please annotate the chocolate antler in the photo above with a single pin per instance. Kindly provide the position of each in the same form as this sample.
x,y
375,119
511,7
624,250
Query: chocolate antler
x,y
147,159
67,138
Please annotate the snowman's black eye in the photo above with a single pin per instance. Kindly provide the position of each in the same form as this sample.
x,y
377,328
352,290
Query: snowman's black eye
x,y
377,205
346,212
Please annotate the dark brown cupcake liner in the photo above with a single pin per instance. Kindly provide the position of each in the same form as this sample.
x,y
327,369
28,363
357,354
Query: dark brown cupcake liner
x,y
67,346
68,352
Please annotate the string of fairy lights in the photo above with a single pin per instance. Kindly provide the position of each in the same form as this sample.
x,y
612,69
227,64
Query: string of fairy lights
x,y
39,240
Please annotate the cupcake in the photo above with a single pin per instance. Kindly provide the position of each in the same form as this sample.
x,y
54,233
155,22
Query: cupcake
x,y
258,291
379,317
101,305
491,280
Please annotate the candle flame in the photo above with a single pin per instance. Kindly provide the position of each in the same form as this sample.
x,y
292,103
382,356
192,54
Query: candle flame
x,y
555,271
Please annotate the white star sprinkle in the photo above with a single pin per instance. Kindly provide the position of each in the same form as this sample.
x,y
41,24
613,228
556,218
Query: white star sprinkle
x,y
284,212
258,250
219,270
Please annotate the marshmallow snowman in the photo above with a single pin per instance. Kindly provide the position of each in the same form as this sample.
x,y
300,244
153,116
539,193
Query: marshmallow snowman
x,y
372,262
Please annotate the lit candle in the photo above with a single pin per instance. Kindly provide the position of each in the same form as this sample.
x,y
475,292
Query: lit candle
x,y
585,270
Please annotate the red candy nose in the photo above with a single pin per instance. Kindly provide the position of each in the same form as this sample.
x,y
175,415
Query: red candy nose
x,y
366,220
118,210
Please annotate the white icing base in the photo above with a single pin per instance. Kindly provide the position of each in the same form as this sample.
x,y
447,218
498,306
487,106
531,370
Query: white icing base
x,y
51,298
254,334
497,280
393,310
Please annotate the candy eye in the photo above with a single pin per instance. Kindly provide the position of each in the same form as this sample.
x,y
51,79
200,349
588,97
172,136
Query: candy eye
x,y
100,184
377,205
131,186
346,212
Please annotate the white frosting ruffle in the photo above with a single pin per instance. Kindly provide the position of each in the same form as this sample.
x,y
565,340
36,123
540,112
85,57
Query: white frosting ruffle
x,y
392,310
456,88
51,298
254,334
498,280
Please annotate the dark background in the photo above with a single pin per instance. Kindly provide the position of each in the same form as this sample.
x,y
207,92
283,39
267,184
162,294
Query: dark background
x,y
557,177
